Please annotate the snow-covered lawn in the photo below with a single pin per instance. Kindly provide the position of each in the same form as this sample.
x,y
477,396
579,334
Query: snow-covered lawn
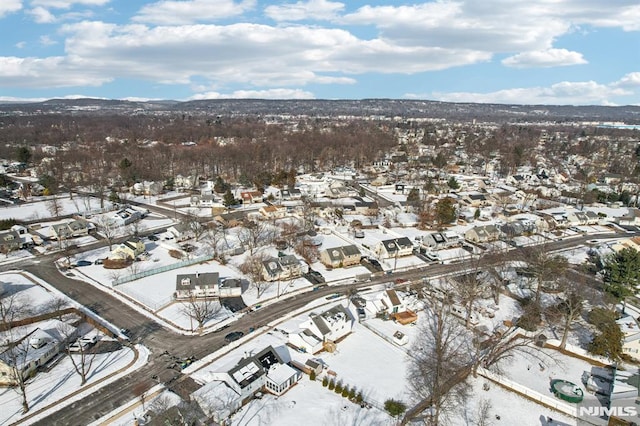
x,y
40,208
308,403
26,290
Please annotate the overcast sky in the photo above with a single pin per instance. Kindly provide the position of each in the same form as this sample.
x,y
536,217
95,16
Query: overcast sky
x,y
504,51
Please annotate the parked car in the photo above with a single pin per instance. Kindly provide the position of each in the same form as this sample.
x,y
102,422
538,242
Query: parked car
x,y
82,263
233,336
153,238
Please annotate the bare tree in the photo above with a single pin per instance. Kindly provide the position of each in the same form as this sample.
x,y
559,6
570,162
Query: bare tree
x,y
56,304
470,287
17,347
290,232
252,267
107,228
194,223
201,310
445,355
546,268
215,239
16,355
255,234
79,352
54,206
442,361
307,251
569,308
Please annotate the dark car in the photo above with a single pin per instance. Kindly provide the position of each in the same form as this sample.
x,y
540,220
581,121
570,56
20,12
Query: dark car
x,y
83,263
153,238
233,336
317,275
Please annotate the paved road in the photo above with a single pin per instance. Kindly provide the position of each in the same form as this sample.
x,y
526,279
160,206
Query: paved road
x,y
159,340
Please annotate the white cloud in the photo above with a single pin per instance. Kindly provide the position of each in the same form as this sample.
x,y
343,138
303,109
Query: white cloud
x,y
629,80
312,9
66,4
544,59
250,54
45,40
41,15
49,72
257,94
9,6
496,26
563,93
170,12
21,44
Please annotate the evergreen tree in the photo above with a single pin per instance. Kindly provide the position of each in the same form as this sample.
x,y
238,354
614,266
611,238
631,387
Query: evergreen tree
x,y
622,274
445,211
228,200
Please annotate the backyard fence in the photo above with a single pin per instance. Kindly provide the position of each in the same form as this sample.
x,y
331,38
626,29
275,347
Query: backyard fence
x,y
158,270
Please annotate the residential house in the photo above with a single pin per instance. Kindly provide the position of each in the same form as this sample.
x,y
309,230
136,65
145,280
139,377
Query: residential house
x,y
185,181
577,217
203,200
233,387
631,218
518,227
146,188
180,232
341,257
391,301
9,241
281,268
320,331
434,241
251,197
129,249
232,287
33,351
198,285
475,199
482,234
71,229
631,331
126,216
273,212
396,247
26,239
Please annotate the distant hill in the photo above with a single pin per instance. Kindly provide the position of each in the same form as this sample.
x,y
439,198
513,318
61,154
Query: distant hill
x,y
334,108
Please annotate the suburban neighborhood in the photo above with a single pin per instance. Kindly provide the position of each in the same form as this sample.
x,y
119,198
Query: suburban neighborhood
x,y
505,253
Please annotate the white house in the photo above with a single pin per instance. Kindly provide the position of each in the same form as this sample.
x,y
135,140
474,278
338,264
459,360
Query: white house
x,y
198,285
230,388
395,247
281,268
341,257
319,329
180,232
126,216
